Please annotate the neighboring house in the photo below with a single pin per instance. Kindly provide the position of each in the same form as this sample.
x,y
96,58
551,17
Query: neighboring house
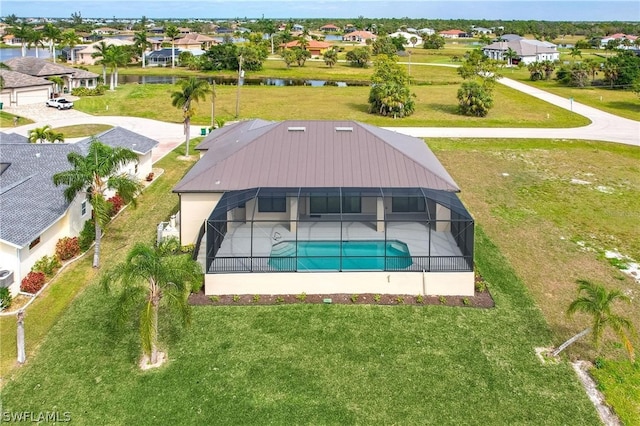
x,y
426,31
510,37
453,34
359,36
22,89
481,30
34,213
85,55
329,28
156,43
527,51
105,31
195,41
407,37
297,27
316,48
324,207
162,57
11,40
625,41
72,77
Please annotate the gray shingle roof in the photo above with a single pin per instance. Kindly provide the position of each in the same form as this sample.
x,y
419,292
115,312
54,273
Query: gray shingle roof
x,y
29,201
14,79
523,47
13,138
41,68
314,154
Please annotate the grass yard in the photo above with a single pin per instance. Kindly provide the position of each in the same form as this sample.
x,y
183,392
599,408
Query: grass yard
x,y
328,364
554,231
435,105
82,130
7,120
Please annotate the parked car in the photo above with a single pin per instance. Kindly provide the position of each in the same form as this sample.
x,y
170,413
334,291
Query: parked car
x,y
60,103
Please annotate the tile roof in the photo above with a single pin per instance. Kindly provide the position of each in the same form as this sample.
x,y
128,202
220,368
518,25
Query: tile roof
x,y
14,79
29,201
313,154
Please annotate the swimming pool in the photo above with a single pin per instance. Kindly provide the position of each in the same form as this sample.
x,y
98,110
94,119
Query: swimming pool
x,y
375,255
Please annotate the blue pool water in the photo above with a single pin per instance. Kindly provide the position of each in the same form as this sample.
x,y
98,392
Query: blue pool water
x,y
336,255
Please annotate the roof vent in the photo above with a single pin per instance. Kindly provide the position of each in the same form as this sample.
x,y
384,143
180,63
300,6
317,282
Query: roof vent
x,y
37,155
344,129
297,129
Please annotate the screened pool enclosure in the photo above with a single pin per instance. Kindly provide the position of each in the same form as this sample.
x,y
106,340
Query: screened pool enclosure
x,y
338,230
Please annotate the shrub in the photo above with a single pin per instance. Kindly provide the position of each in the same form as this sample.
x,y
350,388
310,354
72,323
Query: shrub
x,y
419,298
5,298
236,298
376,298
187,249
116,204
87,235
48,265
279,299
84,91
399,300
214,299
256,298
442,300
302,297
67,247
466,301
354,298
33,282
196,286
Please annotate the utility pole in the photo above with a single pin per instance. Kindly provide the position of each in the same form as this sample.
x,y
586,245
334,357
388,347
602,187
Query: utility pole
x,y
240,76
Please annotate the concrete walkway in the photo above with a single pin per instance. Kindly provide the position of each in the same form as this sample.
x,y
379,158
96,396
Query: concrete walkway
x,y
603,127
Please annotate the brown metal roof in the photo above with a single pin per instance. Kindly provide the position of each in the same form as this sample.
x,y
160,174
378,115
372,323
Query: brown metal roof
x,y
314,154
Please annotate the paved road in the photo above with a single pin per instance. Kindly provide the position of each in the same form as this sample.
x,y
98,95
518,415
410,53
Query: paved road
x,y
603,127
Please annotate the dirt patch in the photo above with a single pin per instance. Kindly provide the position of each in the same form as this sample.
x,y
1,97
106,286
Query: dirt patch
x,y
479,300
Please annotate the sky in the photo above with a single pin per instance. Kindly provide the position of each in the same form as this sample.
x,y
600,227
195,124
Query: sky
x,y
550,10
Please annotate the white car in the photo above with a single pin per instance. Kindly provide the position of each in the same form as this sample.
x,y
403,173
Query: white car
x,y
60,103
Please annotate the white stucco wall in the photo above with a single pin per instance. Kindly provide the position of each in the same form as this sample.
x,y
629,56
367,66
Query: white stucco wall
x,y
432,284
195,208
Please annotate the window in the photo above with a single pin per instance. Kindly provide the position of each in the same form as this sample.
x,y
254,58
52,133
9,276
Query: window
x,y
83,207
272,204
135,169
407,204
331,204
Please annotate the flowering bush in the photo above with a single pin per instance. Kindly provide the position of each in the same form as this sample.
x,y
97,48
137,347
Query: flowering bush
x,y
33,282
116,204
47,264
67,247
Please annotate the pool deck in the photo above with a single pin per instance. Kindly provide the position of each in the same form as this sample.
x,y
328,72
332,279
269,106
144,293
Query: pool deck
x,y
237,242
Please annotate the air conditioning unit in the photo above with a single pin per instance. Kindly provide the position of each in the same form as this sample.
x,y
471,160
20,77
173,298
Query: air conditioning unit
x,y
6,278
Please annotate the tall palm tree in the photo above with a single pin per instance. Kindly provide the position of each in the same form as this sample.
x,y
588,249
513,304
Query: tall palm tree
x,y
71,39
54,137
96,173
172,32
39,134
115,56
142,44
330,57
597,302
58,81
22,32
101,52
52,35
510,55
36,39
191,89
575,52
150,275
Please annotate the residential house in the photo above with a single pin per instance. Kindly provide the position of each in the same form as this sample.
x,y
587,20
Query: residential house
x,y
481,30
324,207
195,41
34,214
105,31
407,36
72,77
527,51
22,89
316,48
11,40
329,28
426,31
162,57
85,55
623,41
453,34
359,37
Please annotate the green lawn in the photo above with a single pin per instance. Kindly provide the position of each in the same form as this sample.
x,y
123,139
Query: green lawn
x,y
327,364
435,105
7,120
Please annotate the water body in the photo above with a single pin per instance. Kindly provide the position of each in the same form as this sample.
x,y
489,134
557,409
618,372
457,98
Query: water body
x,y
164,79
7,53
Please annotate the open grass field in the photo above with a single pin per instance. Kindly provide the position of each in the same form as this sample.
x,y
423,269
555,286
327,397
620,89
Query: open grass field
x,y
435,105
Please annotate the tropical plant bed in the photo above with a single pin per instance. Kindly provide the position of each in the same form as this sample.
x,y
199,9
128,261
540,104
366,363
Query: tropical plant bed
x,y
478,300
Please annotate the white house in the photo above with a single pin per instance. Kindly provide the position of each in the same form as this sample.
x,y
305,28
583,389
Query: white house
x,y
34,213
526,51
22,89
408,37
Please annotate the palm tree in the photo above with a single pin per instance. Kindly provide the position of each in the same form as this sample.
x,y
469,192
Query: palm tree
x,y
52,35
54,137
141,43
101,52
3,66
172,32
413,40
71,39
597,302
548,67
191,89
36,39
58,81
39,134
96,173
115,56
148,276
575,52
510,55
269,28
22,32
330,57
593,67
